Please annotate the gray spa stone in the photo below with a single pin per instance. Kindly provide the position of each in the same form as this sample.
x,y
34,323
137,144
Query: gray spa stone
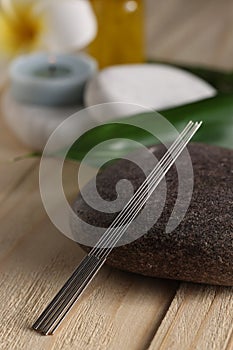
x,y
201,247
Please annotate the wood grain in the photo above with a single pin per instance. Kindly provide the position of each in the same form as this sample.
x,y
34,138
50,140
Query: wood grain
x,y
35,260
119,311
199,317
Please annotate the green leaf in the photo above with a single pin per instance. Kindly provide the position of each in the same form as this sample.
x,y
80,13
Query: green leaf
x,y
216,114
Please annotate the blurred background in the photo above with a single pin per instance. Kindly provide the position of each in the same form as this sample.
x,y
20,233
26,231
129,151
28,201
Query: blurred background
x,y
192,32
195,32
194,35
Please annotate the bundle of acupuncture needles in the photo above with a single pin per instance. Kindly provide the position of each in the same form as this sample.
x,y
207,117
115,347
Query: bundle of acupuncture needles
x,y
59,307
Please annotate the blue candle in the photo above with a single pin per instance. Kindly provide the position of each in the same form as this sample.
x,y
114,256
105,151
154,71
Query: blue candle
x,y
37,80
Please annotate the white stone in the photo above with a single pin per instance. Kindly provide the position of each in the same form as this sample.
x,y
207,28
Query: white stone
x,y
33,124
155,86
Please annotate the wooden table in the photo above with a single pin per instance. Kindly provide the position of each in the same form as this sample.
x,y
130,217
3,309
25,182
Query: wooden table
x,y
119,311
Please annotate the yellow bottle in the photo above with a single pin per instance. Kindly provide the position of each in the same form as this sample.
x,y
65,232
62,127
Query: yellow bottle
x,y
120,37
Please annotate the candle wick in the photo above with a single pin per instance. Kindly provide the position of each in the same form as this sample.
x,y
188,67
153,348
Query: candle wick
x,y
52,68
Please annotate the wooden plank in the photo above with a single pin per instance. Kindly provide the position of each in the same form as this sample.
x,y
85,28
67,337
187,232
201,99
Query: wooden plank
x,y
200,317
35,260
118,308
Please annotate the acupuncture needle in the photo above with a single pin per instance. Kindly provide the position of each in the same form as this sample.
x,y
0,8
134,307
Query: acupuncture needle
x,y
55,312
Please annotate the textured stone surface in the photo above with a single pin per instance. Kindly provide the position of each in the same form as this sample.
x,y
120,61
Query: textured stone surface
x,y
201,248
